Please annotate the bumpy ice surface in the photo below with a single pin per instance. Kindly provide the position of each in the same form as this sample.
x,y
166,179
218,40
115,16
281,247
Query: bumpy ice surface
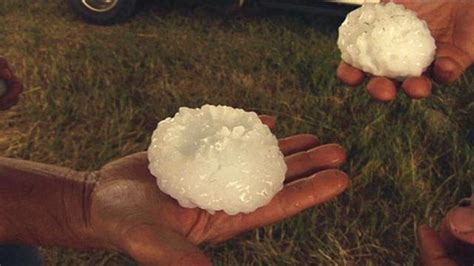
x,y
217,158
386,40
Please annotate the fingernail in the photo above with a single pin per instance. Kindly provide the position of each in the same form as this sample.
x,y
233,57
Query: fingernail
x,y
446,69
461,220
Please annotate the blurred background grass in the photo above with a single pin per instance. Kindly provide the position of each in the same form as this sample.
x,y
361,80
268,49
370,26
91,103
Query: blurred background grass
x,y
96,93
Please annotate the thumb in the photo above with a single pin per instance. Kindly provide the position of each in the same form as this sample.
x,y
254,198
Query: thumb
x,y
450,63
151,246
270,121
460,223
458,236
432,251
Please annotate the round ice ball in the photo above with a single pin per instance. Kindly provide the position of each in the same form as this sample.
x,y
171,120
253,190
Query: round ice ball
x,y
386,40
217,158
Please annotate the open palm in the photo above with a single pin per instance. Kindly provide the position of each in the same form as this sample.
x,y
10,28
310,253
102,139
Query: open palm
x,y
131,214
452,25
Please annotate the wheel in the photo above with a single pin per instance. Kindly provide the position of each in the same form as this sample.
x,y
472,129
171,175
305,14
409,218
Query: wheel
x,y
104,12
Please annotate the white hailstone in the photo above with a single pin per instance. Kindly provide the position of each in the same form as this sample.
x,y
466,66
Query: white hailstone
x,y
217,158
386,40
3,87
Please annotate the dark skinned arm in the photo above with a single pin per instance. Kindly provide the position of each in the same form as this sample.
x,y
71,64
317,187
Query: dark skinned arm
x,y
44,204
120,207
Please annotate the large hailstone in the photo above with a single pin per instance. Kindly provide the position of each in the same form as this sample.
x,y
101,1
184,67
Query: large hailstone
x,y
217,158
386,40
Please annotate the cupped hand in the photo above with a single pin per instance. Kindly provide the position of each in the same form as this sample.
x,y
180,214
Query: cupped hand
x,y
131,214
452,25
14,87
454,245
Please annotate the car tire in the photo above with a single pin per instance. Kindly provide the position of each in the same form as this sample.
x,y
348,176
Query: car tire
x,y
120,12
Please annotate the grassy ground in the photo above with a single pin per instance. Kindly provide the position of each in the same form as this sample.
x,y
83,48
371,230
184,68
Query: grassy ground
x,y
94,94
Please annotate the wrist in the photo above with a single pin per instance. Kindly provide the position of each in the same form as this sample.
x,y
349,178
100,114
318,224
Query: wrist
x,y
76,197
46,205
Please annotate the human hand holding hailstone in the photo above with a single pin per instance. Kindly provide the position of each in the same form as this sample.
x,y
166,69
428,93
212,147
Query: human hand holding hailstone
x,y
120,207
128,207
452,25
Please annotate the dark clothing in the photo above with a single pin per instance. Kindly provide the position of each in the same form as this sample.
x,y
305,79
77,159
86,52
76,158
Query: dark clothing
x,y
19,256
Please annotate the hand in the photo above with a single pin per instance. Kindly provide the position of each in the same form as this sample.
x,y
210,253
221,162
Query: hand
x,y
131,214
452,25
14,87
455,243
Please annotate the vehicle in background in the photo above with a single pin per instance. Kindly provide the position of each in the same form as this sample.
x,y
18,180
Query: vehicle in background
x,y
107,12
104,12
326,7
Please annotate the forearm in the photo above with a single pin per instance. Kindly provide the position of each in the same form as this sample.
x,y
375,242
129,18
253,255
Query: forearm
x,y
44,204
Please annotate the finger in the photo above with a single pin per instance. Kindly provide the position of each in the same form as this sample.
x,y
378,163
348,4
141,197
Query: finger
x,y
432,251
460,223
307,162
450,63
5,72
350,75
270,121
14,89
296,197
382,89
297,143
417,87
457,248
3,64
8,105
150,246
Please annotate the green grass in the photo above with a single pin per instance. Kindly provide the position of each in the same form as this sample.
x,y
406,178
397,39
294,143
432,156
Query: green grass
x,y
94,94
